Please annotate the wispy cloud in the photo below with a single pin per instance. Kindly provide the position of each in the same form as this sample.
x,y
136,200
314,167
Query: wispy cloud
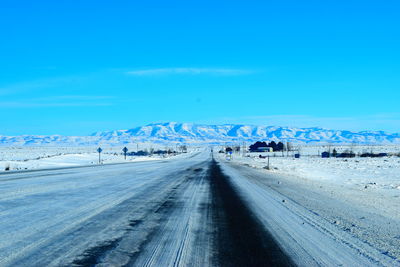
x,y
189,71
74,97
35,85
21,87
59,101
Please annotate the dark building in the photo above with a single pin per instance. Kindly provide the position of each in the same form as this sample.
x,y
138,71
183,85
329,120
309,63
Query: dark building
x,y
326,154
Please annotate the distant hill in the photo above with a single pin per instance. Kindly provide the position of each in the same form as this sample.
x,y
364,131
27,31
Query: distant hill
x,y
208,134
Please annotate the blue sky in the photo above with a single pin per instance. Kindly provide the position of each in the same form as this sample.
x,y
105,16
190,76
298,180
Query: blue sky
x,y
75,67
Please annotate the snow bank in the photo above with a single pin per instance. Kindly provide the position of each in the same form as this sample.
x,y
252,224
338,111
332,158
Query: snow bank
x,y
26,158
372,183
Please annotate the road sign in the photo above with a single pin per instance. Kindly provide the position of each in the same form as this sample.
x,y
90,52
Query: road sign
x,y
125,149
99,150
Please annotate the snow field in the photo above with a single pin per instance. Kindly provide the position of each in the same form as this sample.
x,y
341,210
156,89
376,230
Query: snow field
x,y
27,158
373,183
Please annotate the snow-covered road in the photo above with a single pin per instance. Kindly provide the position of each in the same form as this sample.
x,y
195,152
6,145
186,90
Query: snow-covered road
x,y
191,211
82,216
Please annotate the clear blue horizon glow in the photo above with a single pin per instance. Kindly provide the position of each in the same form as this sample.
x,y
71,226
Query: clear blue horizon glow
x,y
73,68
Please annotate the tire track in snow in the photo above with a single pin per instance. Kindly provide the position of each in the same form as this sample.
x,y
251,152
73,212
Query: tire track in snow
x,y
181,239
202,222
241,240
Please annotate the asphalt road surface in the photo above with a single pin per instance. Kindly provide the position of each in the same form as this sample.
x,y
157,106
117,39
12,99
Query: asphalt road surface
x,y
192,211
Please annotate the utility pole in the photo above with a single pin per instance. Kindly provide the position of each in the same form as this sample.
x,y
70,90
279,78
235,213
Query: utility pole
x,y
288,148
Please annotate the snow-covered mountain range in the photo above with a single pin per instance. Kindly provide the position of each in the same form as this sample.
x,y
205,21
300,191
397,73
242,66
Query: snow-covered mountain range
x,y
173,132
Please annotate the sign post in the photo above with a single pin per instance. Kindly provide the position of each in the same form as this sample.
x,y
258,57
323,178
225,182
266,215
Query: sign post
x,y
99,150
125,150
